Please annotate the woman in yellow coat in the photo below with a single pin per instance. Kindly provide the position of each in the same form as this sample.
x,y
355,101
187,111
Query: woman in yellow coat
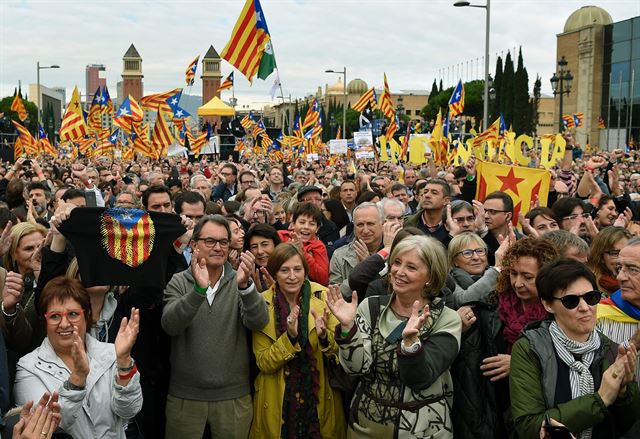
x,y
293,398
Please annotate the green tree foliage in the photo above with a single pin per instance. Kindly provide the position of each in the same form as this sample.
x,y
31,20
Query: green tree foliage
x,y
32,113
535,104
494,106
506,96
521,116
434,89
473,93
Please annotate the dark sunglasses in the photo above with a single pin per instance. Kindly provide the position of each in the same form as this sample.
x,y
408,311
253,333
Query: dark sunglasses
x,y
570,301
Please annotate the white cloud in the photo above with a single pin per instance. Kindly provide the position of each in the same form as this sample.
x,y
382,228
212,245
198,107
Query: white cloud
x,y
409,39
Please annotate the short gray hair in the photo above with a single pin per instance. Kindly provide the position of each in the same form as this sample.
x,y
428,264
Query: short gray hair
x,y
562,240
382,204
366,205
215,219
432,253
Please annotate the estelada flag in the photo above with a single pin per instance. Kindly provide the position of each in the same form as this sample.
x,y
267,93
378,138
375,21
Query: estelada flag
x,y
18,107
123,246
72,125
523,185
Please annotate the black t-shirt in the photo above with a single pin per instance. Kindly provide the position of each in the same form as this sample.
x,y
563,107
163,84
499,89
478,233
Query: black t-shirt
x,y
122,246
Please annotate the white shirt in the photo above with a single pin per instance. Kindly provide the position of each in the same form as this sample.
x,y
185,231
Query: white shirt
x,y
213,289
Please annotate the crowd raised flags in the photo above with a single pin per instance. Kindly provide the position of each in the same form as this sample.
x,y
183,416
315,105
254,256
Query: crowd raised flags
x,y
18,107
73,126
249,50
456,102
190,74
227,84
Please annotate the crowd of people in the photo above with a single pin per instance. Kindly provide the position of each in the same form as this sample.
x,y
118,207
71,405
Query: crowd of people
x,y
217,299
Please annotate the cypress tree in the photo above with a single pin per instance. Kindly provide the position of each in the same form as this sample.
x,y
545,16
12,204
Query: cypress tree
x,y
506,98
535,104
441,88
521,107
434,89
497,86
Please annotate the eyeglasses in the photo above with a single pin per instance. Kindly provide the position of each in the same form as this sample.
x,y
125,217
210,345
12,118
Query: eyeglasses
x,y
574,216
571,301
468,254
248,182
493,212
211,243
465,219
631,270
55,317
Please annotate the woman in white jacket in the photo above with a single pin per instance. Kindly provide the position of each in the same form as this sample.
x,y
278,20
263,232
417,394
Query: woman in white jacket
x,y
98,383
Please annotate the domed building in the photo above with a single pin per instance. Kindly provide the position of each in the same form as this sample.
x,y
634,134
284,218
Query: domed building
x,y
357,86
600,55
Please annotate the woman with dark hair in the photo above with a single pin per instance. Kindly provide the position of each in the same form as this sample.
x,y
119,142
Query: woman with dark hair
x,y
98,383
237,239
605,213
369,197
565,369
293,398
261,240
518,302
539,221
603,257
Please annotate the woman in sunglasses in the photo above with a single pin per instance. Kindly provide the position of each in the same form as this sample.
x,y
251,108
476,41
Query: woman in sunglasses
x,y
565,369
603,257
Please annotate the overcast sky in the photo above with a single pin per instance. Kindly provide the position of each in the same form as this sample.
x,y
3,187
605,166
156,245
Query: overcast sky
x,y
411,40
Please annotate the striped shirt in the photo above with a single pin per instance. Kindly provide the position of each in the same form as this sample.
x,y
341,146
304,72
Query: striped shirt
x,y
619,332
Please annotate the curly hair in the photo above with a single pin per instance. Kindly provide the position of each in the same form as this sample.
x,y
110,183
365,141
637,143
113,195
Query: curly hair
x,y
539,249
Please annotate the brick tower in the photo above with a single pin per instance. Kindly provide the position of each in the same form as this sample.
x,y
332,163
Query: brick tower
x,y
132,74
210,80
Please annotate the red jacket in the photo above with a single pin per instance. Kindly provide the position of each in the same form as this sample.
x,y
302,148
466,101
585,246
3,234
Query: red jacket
x,y
316,255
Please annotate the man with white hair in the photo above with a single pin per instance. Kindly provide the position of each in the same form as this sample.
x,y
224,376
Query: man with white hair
x,y
619,314
200,183
367,225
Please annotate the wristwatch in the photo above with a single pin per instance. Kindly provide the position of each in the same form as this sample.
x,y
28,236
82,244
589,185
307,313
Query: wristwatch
x,y
412,348
68,385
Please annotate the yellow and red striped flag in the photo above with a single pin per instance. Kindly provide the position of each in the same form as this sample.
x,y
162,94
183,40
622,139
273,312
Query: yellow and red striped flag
x,y
249,49
44,146
227,84
141,140
524,185
72,126
18,150
369,97
18,107
339,133
392,128
196,143
490,134
386,105
127,153
161,137
190,74
158,101
27,141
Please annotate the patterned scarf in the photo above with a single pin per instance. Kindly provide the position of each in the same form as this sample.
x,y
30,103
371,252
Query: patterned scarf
x,y
579,374
299,405
609,283
510,311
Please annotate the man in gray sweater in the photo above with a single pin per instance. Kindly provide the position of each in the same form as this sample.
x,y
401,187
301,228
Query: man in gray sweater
x,y
207,310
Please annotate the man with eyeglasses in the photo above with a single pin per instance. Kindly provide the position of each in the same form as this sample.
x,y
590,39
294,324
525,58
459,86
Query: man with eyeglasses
x,y
207,312
276,182
573,215
498,212
228,185
619,314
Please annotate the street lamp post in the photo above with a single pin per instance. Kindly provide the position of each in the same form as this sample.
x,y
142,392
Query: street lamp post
x,y
486,7
39,67
561,85
344,108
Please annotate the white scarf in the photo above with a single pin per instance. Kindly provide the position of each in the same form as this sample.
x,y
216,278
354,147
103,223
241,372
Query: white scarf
x,y
579,375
